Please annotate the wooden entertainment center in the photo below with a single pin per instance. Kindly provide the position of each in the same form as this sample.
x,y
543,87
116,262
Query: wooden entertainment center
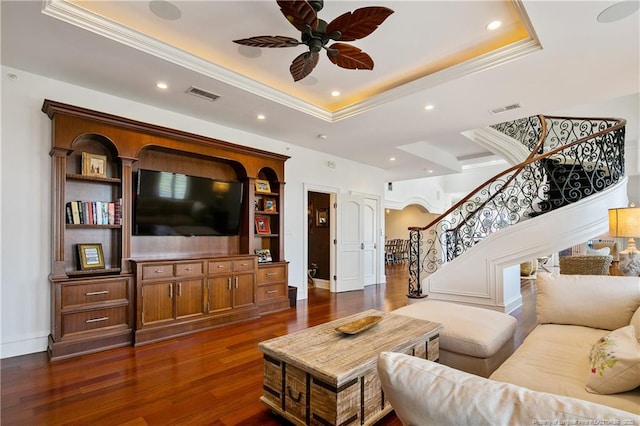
x,y
136,289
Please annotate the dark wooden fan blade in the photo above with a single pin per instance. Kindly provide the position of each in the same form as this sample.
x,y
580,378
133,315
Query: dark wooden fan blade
x,y
350,57
359,23
299,13
268,41
303,65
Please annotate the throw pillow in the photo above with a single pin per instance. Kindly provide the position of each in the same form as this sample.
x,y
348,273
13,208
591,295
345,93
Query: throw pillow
x,y
604,251
615,362
635,321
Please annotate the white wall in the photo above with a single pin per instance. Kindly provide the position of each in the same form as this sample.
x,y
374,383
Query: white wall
x,y
25,202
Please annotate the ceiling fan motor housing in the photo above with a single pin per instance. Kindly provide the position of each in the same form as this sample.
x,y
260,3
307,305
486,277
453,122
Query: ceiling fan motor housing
x,y
317,39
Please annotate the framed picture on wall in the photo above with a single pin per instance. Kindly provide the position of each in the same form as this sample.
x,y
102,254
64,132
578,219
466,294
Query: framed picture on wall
x,y
322,217
262,224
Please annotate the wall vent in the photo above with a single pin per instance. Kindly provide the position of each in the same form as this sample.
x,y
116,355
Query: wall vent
x,y
201,93
505,108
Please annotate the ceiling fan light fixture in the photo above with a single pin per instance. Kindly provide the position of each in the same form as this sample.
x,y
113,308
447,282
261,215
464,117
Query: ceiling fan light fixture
x,y
335,93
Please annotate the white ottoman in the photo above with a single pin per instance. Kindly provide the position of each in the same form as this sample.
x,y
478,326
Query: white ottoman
x,y
475,340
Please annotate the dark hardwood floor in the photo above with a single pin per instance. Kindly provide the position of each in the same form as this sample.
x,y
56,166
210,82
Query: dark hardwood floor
x,y
209,378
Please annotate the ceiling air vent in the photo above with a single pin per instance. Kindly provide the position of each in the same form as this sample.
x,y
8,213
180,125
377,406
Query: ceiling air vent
x,y
202,94
505,108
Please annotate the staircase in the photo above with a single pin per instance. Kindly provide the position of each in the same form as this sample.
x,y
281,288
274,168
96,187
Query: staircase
x,y
556,197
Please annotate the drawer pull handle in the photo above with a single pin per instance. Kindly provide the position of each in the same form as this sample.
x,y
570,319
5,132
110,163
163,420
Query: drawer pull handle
x,y
96,293
271,291
244,264
97,319
220,266
158,271
271,274
188,268
291,395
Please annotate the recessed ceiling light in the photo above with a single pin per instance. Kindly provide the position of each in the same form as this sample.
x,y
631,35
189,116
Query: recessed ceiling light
x,y
392,159
618,11
335,93
321,136
494,25
428,107
261,116
161,85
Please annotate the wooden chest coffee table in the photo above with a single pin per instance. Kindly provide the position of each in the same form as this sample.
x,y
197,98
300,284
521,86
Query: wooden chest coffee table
x,y
322,376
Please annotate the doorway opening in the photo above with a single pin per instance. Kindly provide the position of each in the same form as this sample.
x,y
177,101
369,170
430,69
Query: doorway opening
x,y
319,247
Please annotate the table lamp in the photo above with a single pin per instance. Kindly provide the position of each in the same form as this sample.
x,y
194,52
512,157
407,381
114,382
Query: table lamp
x,y
625,222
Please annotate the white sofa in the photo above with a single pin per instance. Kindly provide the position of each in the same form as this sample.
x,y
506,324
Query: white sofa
x,y
546,378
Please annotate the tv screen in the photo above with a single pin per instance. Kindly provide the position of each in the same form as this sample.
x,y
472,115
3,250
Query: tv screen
x,y
177,204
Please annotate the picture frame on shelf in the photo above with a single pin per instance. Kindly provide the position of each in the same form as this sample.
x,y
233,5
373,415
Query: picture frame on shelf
x,y
262,186
94,165
322,218
90,256
269,205
264,255
262,224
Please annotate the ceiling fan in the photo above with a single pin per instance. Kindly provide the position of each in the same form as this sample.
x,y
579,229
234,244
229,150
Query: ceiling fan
x,y
316,33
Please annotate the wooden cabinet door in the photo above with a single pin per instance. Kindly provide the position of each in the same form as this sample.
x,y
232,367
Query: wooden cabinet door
x,y
220,293
243,290
157,302
189,298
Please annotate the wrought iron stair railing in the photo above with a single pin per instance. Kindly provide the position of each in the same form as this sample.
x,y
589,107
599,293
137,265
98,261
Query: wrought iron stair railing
x,y
571,158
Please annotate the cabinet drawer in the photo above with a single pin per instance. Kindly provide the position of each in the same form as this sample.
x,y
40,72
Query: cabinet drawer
x,y
271,291
78,322
219,266
188,269
80,294
243,264
151,272
271,274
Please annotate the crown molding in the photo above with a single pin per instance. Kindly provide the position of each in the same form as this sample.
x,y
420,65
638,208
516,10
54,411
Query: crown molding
x,y
82,18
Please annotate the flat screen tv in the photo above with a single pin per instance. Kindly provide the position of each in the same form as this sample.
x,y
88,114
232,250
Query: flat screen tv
x,y
177,204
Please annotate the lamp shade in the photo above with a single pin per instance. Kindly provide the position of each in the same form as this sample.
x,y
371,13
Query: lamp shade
x,y
624,222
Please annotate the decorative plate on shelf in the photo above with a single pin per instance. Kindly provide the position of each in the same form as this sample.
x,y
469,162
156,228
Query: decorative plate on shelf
x,y
360,325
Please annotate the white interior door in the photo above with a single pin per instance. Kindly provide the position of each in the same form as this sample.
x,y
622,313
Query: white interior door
x,y
350,244
369,238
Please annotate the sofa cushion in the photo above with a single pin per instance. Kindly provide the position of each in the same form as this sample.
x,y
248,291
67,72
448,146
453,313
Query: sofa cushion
x,y
467,330
555,359
426,393
615,362
597,301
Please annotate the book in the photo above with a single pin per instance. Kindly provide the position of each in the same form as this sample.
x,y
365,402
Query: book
x,y
75,212
111,207
69,213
